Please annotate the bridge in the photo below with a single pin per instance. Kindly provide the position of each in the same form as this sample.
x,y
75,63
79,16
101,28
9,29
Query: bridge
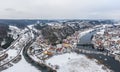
x,y
87,44
78,50
88,50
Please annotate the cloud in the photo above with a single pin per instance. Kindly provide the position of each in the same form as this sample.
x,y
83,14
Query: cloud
x,y
60,9
10,9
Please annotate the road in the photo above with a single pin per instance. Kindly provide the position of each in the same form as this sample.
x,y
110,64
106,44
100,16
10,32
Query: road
x,y
15,49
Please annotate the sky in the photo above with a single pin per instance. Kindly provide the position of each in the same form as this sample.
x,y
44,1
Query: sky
x,y
59,9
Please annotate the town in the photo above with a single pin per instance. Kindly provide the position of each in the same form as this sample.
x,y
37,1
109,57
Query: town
x,y
62,40
108,38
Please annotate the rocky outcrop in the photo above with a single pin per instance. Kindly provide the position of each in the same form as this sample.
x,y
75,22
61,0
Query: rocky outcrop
x,y
4,37
54,35
3,32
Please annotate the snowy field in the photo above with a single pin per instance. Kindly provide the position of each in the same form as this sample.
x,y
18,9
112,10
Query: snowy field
x,y
22,66
72,62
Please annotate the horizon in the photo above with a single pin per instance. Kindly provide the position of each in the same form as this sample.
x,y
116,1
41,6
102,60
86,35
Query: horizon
x,y
53,19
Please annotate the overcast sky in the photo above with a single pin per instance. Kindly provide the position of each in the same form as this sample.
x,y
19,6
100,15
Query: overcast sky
x,y
60,9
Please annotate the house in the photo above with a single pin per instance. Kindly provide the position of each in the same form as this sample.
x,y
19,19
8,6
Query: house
x,y
48,53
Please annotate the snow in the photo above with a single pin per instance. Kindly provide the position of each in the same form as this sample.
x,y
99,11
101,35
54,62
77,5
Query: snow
x,y
3,42
101,31
72,62
59,45
15,31
30,26
12,52
22,66
13,28
85,32
117,24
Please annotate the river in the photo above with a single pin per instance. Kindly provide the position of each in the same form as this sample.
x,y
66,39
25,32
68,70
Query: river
x,y
106,60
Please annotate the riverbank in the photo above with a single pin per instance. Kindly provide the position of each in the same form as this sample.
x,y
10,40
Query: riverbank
x,y
73,62
41,67
108,61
